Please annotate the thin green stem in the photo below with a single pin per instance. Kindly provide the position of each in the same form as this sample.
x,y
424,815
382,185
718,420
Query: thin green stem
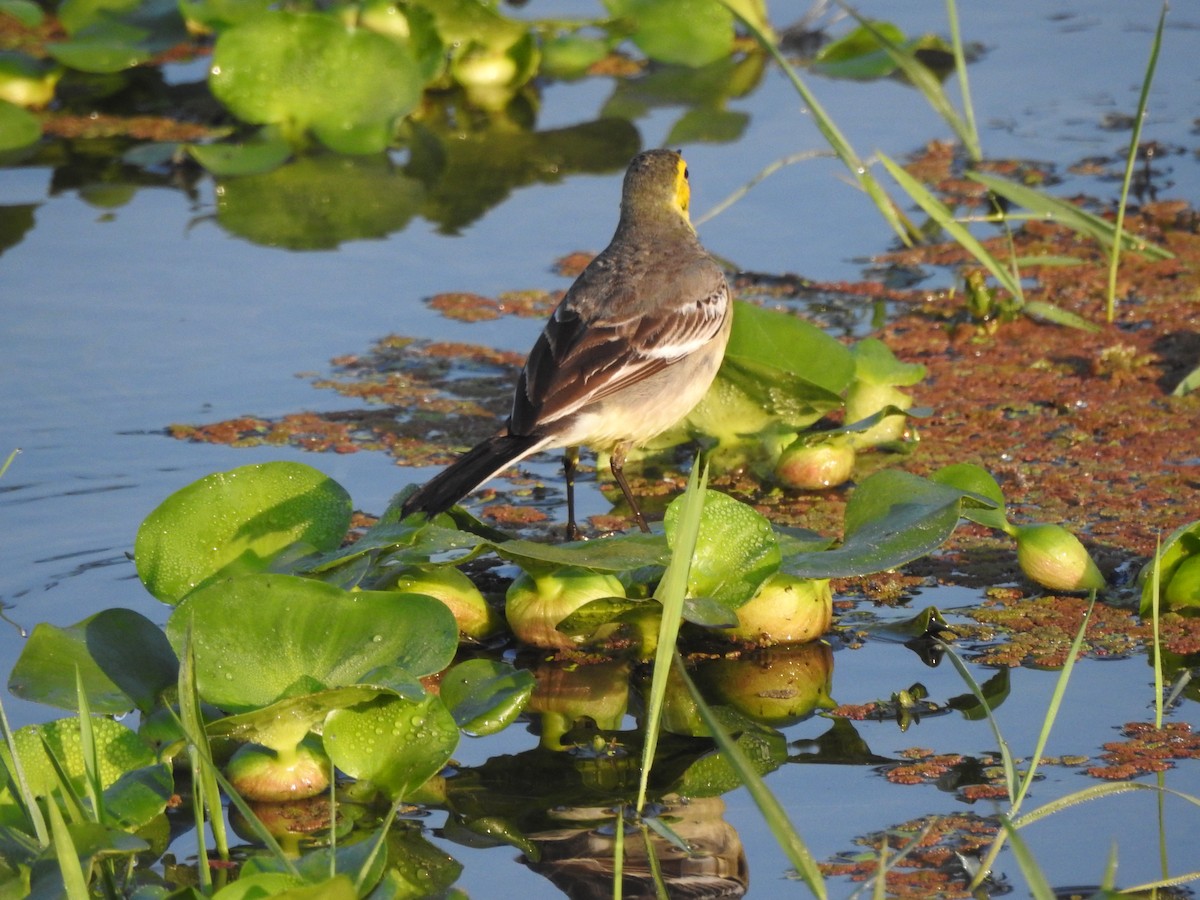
x,y
1130,159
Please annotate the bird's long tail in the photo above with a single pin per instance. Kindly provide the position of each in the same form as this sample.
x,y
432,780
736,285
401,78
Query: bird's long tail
x,y
470,470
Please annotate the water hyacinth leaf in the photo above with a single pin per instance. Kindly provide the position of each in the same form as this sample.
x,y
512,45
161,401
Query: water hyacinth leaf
x,y
976,480
219,15
26,12
317,202
687,32
283,724
892,517
790,344
860,53
736,549
307,71
235,522
620,553
485,696
1178,551
257,635
101,52
18,128
118,751
139,796
123,659
265,154
394,743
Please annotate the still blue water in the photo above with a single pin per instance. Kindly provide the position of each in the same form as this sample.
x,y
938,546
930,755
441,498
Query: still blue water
x,y
115,322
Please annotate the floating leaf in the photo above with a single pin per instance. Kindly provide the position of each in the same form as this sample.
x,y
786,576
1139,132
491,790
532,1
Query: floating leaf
x,y
118,751
257,635
395,743
892,517
18,128
976,480
485,696
26,12
123,660
620,553
308,71
735,551
688,32
235,522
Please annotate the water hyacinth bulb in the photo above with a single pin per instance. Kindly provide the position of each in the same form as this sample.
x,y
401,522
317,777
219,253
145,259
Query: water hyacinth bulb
x,y
1054,558
260,773
1184,587
816,467
785,610
878,377
475,618
534,605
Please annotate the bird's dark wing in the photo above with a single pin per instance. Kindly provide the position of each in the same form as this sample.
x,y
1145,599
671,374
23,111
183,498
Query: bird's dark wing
x,y
593,347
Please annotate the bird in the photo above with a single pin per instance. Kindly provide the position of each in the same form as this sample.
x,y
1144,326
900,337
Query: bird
x,y
631,348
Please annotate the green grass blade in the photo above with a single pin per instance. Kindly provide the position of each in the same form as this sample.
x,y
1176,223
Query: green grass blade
x,y
1068,214
1006,759
972,143
1039,887
1156,648
1096,792
833,135
1131,158
940,214
74,880
765,173
619,853
20,783
1060,688
773,812
87,746
8,461
204,785
655,864
1172,882
671,593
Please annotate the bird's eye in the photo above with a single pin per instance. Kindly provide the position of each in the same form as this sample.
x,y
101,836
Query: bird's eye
x,y
685,173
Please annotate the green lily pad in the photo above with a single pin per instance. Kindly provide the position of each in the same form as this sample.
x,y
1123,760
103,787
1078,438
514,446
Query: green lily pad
x,y
308,71
283,724
123,659
977,480
139,796
18,127
485,696
790,344
26,12
235,522
395,743
620,553
1178,551
892,517
735,552
256,636
118,749
688,32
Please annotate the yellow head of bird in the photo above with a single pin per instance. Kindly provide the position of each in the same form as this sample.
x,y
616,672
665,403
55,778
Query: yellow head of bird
x,y
657,181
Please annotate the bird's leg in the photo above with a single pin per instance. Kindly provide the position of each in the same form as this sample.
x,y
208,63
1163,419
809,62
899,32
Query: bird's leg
x,y
618,469
570,461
